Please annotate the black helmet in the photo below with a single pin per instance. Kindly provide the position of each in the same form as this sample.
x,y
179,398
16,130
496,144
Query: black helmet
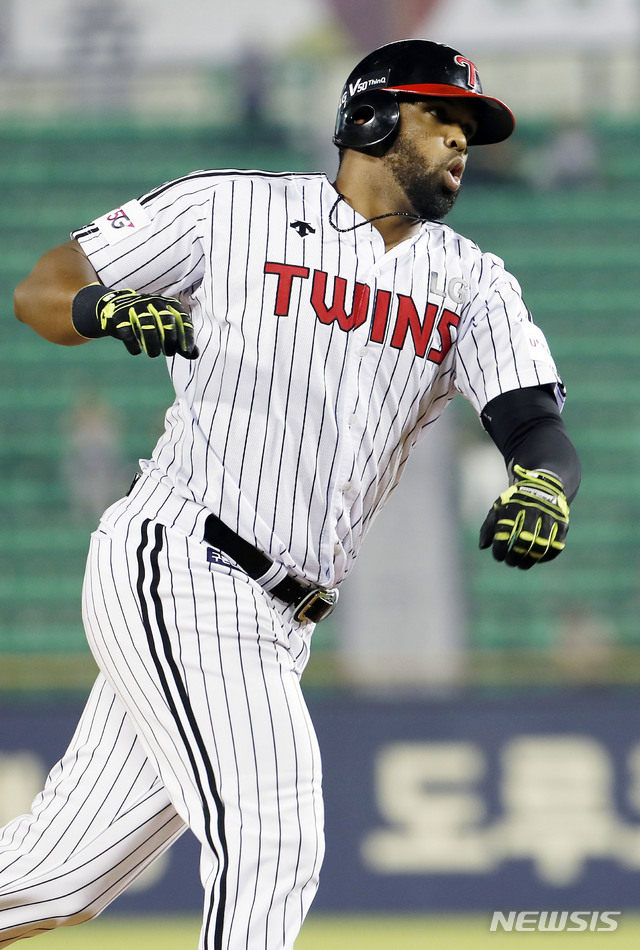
x,y
412,66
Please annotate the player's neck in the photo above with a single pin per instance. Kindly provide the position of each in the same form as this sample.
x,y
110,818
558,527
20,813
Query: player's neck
x,y
366,187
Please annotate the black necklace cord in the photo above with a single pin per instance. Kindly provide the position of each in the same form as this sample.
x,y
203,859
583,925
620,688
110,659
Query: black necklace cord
x,y
378,217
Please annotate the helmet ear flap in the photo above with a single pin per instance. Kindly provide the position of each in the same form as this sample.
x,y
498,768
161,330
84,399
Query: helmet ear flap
x,y
367,120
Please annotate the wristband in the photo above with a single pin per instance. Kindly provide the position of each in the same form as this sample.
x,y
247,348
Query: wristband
x,y
84,311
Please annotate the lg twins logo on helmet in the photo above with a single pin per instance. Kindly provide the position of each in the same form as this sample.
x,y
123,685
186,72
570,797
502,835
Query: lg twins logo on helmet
x,y
377,80
472,72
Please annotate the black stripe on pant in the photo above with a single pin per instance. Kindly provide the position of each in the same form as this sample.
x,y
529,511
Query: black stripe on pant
x,y
168,663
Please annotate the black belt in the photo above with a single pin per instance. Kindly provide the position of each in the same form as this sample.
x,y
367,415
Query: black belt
x,y
311,604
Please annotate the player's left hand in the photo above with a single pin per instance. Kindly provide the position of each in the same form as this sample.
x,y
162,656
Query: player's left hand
x,y
528,523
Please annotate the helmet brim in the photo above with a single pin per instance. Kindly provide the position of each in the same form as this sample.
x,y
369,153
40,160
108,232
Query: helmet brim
x,y
496,120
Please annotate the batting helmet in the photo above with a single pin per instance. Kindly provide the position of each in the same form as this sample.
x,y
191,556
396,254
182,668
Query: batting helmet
x,y
369,112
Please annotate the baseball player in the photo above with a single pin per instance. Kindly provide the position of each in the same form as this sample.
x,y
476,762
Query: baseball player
x,y
314,331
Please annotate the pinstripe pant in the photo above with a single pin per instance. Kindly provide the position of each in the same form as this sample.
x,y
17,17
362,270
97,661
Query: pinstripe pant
x,y
197,720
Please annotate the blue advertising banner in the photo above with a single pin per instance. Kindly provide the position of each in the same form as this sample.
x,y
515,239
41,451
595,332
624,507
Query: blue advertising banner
x,y
482,804
471,804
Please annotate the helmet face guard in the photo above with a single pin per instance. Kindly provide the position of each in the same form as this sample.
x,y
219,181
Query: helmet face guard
x,y
369,112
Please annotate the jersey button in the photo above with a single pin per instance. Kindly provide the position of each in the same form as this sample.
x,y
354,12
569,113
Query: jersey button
x,y
346,486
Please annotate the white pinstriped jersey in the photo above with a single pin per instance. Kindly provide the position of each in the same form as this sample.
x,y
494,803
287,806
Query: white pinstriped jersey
x,y
323,358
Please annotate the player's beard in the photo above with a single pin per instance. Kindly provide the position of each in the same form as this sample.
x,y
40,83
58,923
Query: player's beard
x,y
428,195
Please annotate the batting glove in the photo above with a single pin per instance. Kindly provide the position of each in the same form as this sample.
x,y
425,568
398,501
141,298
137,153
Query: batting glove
x,y
529,521
146,323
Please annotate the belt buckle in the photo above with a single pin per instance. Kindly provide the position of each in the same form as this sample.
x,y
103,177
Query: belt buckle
x,y
315,606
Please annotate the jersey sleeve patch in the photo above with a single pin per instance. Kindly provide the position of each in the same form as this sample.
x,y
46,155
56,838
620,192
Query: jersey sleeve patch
x,y
122,222
537,345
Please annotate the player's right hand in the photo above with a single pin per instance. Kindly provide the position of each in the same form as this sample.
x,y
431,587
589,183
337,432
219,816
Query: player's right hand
x,y
529,522
146,323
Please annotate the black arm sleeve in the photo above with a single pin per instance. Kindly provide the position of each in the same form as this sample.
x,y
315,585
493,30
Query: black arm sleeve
x,y
527,427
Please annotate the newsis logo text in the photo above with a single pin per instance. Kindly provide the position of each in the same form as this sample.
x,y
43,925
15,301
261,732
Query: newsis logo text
x,y
555,920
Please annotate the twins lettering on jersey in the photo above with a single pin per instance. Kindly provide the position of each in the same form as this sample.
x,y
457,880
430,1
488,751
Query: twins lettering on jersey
x,y
328,298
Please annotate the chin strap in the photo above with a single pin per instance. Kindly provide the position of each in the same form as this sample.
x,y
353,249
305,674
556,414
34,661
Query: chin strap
x,y
378,217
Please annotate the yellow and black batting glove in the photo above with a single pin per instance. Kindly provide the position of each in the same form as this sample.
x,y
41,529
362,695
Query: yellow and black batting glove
x,y
529,521
146,323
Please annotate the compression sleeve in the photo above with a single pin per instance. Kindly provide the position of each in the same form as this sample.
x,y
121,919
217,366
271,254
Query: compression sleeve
x,y
527,428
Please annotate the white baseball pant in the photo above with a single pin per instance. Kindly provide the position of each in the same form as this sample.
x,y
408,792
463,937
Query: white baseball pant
x,y
198,720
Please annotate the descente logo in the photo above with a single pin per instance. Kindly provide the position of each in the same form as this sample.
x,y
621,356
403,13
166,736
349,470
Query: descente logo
x,y
555,920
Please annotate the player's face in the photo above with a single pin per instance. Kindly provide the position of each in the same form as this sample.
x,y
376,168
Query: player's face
x,y
428,157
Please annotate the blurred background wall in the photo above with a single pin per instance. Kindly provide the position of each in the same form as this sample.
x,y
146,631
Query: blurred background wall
x,y
100,102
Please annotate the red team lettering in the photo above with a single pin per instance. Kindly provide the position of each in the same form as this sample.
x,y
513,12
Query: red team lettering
x,y
332,307
408,318
337,309
472,72
381,309
286,273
